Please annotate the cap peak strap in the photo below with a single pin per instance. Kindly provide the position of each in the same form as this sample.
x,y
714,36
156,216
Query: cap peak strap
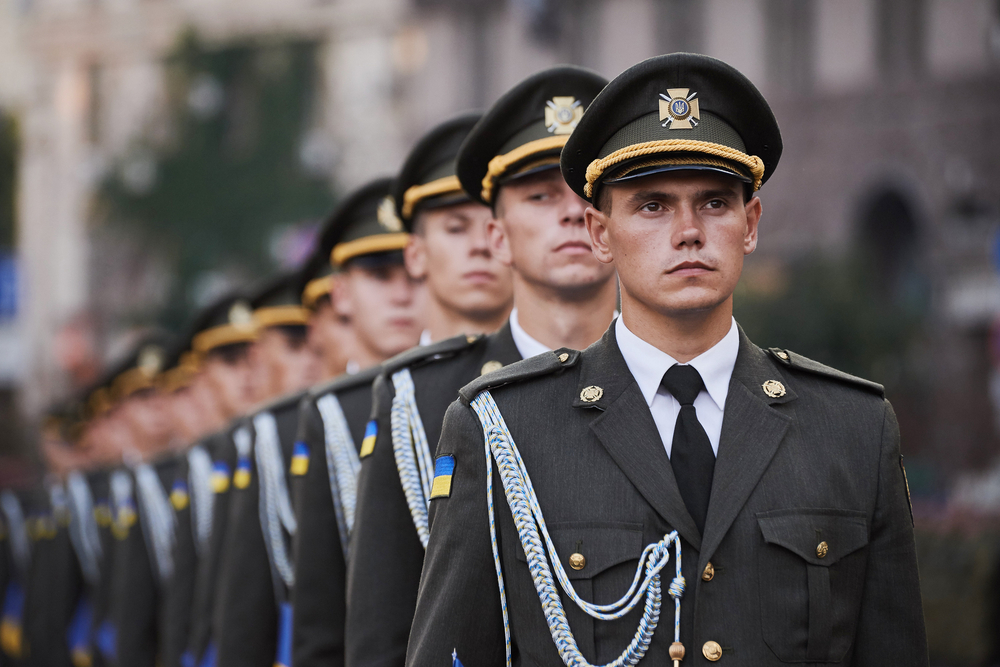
x,y
501,163
417,193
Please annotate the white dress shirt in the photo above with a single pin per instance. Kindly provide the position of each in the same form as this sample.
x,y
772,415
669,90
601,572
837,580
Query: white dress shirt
x,y
526,345
425,338
648,365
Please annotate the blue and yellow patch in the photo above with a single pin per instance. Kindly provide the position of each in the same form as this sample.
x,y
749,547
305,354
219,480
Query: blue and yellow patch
x,y
102,514
283,658
125,518
300,460
179,495
368,444
444,468
10,623
78,633
220,477
241,478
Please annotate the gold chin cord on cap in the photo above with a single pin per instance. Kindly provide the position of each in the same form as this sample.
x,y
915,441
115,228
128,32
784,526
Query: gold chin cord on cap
x,y
417,193
368,245
276,316
501,163
598,167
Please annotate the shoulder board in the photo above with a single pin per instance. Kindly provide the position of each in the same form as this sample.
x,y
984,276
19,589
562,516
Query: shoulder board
x,y
367,376
797,361
445,348
543,364
271,405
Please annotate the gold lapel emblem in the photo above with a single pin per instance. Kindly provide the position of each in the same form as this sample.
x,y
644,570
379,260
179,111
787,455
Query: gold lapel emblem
x,y
591,394
490,366
562,114
678,109
387,217
774,389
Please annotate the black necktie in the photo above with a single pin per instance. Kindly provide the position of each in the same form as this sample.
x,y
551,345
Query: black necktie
x,y
691,454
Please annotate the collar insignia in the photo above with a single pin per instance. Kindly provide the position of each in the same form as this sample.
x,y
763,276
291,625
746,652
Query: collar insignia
x,y
591,394
773,388
387,215
562,114
678,109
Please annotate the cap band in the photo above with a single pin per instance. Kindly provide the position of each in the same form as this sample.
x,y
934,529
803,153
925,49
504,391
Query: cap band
x,y
226,334
417,193
597,168
100,402
277,316
501,163
130,382
368,245
315,290
175,379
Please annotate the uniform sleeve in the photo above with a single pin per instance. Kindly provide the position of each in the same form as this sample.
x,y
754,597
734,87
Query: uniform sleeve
x,y
458,605
133,601
386,555
891,622
318,599
246,617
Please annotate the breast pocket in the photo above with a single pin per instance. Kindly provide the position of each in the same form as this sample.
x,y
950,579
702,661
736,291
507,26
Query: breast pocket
x,y
811,572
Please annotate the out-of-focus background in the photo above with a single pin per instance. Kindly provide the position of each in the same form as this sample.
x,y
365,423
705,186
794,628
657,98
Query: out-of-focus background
x,y
155,152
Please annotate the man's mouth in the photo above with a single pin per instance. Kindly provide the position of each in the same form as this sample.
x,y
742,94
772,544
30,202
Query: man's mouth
x,y
689,268
575,248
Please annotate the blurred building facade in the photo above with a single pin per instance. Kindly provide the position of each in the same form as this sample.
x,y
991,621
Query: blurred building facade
x,y
890,111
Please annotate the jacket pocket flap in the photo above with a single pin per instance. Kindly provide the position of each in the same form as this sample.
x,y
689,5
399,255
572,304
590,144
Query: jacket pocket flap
x,y
602,546
820,537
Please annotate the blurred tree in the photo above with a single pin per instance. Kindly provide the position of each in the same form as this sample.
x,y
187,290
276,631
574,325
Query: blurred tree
x,y
8,179
209,196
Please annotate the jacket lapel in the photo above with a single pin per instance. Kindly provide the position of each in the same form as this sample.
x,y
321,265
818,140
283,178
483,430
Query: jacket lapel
x,y
751,431
627,430
500,346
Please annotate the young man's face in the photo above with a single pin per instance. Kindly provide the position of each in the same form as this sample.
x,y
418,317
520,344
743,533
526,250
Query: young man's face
x,y
451,252
188,413
382,304
285,362
331,337
147,413
539,231
105,439
678,239
230,376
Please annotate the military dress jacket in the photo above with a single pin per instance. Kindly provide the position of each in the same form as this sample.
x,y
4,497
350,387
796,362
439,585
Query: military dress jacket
x,y
246,614
318,601
222,449
100,489
808,532
386,552
136,580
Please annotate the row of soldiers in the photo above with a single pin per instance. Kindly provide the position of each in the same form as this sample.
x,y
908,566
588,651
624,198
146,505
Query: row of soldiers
x,y
259,491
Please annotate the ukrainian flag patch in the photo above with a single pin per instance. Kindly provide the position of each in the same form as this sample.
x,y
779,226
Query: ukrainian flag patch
x,y
300,459
444,468
368,444
241,478
179,495
220,477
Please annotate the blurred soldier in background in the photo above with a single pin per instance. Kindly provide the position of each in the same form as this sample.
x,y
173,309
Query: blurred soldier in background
x,y
562,296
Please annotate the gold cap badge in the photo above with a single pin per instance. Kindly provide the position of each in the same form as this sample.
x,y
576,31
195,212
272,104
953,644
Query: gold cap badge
x,y
240,315
678,109
387,217
150,361
562,114
773,388
591,394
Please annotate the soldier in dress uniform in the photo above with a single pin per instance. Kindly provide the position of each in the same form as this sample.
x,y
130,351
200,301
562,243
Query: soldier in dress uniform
x,y
18,509
222,335
753,500
367,243
247,616
538,231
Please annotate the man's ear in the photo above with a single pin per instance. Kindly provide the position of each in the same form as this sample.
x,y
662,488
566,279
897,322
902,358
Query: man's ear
x,y
343,301
496,237
753,210
597,227
415,257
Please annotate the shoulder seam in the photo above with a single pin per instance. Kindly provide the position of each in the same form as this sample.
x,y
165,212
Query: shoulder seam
x,y
796,361
543,364
449,346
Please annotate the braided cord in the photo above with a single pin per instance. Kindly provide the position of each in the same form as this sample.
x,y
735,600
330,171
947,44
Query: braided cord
x,y
412,452
342,463
83,530
528,519
275,506
597,168
20,545
158,524
202,496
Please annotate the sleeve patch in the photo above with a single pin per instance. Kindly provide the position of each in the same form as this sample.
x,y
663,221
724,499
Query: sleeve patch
x,y
300,459
444,468
368,444
220,477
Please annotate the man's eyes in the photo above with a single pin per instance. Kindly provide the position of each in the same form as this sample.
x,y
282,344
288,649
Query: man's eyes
x,y
651,207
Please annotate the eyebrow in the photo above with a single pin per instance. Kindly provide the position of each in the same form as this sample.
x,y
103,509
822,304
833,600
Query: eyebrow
x,y
647,195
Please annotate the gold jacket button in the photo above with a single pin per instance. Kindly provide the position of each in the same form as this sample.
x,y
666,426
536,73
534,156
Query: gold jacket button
x,y
821,549
712,651
709,572
577,561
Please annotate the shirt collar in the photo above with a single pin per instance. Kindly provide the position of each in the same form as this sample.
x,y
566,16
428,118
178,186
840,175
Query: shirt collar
x,y
648,363
425,338
526,345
